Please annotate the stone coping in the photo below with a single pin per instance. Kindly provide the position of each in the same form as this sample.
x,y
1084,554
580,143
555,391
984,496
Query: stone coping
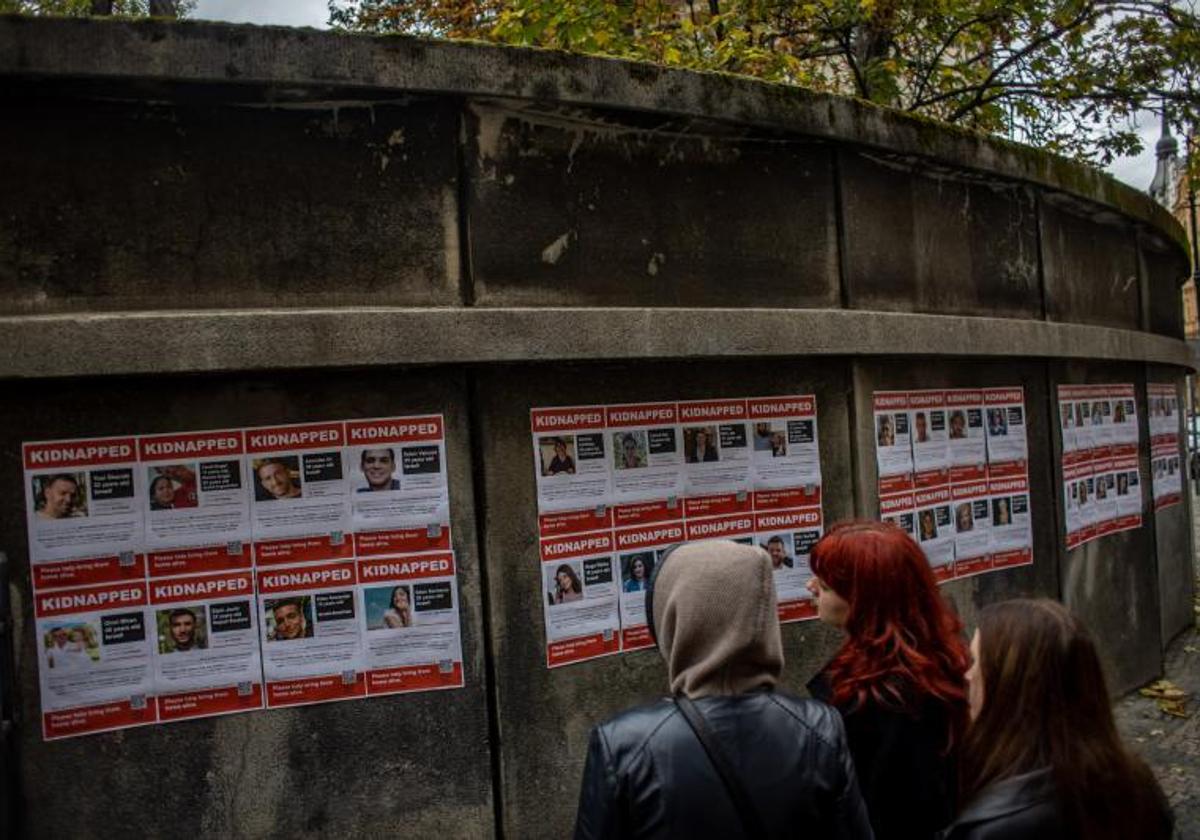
x,y
122,343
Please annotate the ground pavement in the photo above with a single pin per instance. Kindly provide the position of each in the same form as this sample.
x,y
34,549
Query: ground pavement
x,y
1170,744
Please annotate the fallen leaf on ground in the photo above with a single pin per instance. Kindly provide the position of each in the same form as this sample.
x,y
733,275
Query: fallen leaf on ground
x,y
1175,708
1165,689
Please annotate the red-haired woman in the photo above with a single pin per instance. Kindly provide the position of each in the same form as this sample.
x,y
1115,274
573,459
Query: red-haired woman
x,y
898,678
1042,757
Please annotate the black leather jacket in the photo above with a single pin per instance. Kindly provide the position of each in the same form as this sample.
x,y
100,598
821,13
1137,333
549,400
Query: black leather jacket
x,y
1017,807
905,779
647,776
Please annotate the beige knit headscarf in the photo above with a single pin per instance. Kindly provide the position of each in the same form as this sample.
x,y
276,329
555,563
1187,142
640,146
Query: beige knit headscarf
x,y
714,615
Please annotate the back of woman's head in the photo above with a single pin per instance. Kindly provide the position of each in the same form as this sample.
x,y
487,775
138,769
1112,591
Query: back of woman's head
x,y
1045,704
903,643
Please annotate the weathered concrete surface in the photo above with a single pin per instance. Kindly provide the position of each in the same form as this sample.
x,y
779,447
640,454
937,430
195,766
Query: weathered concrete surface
x,y
1162,267
544,716
279,64
1090,268
211,205
968,595
1112,583
1173,536
927,240
579,212
272,339
417,761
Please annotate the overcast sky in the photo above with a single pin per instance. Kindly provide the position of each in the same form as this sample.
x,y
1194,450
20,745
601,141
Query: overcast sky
x,y
1136,171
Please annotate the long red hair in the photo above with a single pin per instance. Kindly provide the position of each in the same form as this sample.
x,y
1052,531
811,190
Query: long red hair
x,y
903,643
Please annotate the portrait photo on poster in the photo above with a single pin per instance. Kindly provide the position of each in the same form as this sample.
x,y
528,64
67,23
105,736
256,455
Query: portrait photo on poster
x,y
388,607
700,444
289,618
277,478
629,450
172,486
564,583
636,569
71,644
378,470
182,629
557,455
61,495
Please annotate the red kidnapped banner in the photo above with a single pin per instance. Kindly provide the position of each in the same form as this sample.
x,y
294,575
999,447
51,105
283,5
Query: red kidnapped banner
x,y
306,578
712,411
82,453
90,599
582,545
567,419
396,430
641,414
190,446
406,568
288,438
720,527
201,588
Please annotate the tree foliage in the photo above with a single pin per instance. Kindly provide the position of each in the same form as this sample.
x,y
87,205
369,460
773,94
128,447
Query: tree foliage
x,y
87,8
1066,75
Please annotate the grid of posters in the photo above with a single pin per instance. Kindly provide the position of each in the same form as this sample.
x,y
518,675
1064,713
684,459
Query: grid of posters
x,y
618,485
203,573
954,474
1166,459
1102,491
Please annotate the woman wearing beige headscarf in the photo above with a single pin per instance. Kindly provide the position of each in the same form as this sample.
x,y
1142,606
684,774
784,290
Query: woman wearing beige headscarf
x,y
781,766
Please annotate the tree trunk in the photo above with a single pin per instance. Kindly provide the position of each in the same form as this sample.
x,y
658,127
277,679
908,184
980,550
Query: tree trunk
x,y
162,8
102,7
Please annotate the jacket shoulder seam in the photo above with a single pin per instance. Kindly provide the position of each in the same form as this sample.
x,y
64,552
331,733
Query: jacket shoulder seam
x,y
820,736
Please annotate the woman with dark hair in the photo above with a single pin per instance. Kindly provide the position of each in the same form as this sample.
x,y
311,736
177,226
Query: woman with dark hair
x,y
898,678
162,493
399,614
1042,757
561,462
639,572
567,587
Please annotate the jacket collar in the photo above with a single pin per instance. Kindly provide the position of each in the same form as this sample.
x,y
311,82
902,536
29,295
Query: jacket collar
x,y
819,686
1007,796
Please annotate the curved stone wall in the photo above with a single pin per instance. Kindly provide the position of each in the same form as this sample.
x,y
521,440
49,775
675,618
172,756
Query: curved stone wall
x,y
209,226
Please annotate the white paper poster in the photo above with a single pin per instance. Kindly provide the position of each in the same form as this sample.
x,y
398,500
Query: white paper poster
x,y
741,468
1167,462
1101,484
171,571
968,445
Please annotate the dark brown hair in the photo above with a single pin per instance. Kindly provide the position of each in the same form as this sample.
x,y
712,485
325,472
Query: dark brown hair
x,y
1045,704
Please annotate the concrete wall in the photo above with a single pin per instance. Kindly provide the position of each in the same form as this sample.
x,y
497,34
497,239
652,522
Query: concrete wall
x,y
267,225
419,760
